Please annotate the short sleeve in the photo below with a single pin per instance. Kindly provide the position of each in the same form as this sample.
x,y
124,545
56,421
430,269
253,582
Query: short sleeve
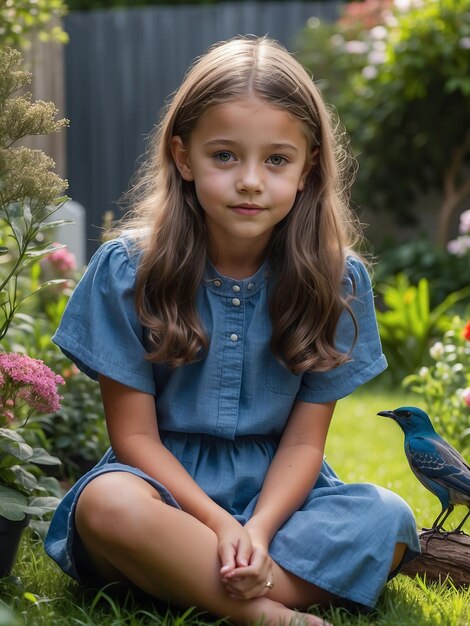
x,y
367,358
100,331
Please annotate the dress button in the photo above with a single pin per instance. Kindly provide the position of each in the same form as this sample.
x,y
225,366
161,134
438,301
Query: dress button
x,y
236,302
236,288
250,286
233,337
217,283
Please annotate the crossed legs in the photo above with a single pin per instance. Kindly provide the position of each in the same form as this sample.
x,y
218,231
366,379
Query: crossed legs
x,y
130,534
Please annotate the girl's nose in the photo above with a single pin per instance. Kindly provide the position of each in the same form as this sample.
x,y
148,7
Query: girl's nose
x,y
250,180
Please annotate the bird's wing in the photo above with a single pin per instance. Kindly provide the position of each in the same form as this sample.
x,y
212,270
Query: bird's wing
x,y
438,461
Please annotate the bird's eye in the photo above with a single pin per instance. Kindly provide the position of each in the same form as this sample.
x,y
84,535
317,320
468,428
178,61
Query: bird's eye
x,y
406,413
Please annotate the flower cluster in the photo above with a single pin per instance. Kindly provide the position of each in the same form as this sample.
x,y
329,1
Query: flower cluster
x,y
26,385
461,245
445,385
61,261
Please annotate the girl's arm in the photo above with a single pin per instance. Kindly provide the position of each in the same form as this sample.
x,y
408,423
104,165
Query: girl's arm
x,y
290,478
294,468
133,431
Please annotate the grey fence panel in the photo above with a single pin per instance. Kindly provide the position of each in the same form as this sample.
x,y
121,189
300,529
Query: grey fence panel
x,y
122,65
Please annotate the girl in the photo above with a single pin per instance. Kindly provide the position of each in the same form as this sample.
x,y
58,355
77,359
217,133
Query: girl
x,y
223,324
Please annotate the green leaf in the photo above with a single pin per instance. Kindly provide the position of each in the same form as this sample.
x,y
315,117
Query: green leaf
x,y
24,480
42,457
55,224
12,444
46,504
13,504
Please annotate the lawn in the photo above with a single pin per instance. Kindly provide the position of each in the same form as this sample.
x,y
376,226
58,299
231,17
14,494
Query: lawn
x,y
361,447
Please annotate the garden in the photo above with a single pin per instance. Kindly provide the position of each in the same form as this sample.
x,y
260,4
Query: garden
x,y
397,74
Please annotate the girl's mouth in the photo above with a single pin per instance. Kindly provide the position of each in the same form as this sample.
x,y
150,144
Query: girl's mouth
x,y
247,209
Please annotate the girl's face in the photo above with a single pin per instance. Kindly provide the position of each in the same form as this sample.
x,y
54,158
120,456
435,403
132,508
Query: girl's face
x,y
248,160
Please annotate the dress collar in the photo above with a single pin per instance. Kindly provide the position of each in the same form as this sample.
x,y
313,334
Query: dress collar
x,y
227,286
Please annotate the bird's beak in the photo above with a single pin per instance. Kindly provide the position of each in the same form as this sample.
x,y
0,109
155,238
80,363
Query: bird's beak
x,y
387,414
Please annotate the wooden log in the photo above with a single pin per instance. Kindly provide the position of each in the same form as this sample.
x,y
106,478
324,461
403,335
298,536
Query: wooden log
x,y
443,556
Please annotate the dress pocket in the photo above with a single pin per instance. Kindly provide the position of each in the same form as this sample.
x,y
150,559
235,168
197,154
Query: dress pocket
x,y
282,381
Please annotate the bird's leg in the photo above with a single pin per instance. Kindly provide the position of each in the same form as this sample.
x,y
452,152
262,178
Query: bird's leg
x,y
439,521
459,527
438,524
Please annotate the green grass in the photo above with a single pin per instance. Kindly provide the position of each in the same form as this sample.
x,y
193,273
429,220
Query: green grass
x,y
361,447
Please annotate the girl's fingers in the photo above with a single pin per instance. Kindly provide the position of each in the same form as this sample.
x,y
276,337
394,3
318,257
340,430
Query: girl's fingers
x,y
250,582
246,592
244,552
227,558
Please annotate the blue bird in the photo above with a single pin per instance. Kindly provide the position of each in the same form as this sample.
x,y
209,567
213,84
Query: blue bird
x,y
434,462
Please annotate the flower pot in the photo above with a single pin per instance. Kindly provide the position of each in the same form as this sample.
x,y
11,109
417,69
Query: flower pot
x,y
10,535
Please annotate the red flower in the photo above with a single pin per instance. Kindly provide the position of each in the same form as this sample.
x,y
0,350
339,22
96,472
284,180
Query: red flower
x,y
466,331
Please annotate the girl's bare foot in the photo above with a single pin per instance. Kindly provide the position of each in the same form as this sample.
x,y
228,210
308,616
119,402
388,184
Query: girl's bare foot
x,y
276,614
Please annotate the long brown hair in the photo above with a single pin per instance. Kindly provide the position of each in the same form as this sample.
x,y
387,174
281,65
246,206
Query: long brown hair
x,y
308,247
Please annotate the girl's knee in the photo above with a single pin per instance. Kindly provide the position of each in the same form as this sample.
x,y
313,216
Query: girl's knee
x,y
112,504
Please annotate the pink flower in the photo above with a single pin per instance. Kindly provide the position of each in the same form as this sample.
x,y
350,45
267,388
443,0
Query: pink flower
x,y
26,383
466,396
60,261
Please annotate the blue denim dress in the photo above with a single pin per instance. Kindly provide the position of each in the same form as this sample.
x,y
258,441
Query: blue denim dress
x,y
223,417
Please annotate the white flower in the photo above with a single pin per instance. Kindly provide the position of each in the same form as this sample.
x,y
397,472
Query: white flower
x,y
356,47
437,350
459,246
465,43
423,372
379,45
464,226
370,71
378,32
389,19
337,40
313,22
406,5
402,5
376,57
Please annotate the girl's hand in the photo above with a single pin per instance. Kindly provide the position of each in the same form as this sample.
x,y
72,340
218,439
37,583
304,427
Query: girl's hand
x,y
235,547
249,581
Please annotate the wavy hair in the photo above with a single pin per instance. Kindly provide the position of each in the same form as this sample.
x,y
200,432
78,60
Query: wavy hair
x,y
308,247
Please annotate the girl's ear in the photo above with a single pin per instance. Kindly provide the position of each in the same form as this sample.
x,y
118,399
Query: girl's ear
x,y
311,163
181,158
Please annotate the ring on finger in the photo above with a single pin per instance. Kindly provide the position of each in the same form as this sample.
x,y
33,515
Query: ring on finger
x,y
269,584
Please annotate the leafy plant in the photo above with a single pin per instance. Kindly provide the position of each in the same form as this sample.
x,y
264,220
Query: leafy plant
x,y
445,384
29,194
394,71
29,191
26,386
421,258
408,324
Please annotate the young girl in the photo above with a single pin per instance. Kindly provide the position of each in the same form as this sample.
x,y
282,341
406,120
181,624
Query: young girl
x,y
223,324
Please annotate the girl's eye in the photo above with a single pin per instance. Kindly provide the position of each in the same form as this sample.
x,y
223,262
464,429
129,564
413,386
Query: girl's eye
x,y
223,156
277,159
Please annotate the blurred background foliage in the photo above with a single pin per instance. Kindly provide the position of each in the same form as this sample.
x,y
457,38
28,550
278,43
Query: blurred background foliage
x,y
398,74
20,20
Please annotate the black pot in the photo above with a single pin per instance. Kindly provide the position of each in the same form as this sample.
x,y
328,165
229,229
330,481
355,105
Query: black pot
x,y
10,535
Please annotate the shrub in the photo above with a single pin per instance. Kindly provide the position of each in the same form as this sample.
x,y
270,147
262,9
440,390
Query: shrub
x,y
408,324
445,385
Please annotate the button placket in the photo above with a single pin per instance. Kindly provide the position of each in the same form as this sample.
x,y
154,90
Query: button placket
x,y
232,366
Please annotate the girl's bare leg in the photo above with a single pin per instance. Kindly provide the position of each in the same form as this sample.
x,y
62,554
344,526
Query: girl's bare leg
x,y
131,534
